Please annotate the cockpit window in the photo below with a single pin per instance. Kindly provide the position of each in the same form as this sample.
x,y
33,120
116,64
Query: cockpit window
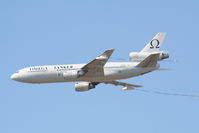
x,y
17,72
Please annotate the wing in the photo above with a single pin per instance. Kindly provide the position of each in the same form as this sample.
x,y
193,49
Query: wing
x,y
126,85
96,66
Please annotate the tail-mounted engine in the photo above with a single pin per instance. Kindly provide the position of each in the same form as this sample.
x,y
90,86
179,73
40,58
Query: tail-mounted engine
x,y
139,56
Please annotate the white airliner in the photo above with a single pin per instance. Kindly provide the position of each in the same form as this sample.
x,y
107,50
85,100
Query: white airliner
x,y
98,70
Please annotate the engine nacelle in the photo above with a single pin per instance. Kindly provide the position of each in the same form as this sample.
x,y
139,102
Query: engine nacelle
x,y
164,55
84,86
139,56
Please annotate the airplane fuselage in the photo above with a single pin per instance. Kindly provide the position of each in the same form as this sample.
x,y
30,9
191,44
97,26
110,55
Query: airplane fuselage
x,y
67,73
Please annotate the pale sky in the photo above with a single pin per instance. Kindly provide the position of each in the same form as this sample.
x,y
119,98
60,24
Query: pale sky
x,y
45,32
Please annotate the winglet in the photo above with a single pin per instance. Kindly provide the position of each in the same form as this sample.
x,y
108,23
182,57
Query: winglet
x,y
106,55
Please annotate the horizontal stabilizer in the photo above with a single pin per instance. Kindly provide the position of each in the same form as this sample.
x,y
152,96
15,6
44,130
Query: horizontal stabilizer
x,y
162,69
150,61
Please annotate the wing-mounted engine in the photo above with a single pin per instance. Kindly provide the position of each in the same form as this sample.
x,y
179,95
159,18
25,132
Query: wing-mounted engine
x,y
85,86
139,56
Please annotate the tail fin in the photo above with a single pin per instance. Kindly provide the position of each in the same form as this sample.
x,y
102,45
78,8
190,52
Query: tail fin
x,y
150,61
155,44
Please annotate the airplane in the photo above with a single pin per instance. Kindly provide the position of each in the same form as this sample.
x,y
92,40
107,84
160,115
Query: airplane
x,y
99,70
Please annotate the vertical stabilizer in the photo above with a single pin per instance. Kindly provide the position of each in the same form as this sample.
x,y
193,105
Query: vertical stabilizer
x,y
155,44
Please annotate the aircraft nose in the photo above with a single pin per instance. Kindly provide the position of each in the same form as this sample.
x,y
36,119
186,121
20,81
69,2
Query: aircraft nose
x,y
14,76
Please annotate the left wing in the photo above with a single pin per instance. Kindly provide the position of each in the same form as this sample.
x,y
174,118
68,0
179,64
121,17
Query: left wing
x,y
96,66
126,85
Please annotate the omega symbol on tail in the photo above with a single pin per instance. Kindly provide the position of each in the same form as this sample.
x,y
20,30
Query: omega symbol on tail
x,y
154,43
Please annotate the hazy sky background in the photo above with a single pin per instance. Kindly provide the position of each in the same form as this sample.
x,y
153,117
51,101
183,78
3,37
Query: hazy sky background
x,y
45,32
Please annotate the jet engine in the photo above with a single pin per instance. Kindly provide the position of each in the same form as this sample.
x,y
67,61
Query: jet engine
x,y
164,55
84,86
139,56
